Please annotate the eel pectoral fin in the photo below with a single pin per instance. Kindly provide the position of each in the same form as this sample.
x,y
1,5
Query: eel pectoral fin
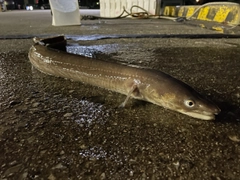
x,y
133,91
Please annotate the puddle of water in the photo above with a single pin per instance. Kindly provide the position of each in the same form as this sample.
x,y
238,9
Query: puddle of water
x,y
90,51
89,37
88,113
94,153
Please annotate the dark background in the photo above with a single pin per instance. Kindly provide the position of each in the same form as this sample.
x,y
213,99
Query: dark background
x,y
13,4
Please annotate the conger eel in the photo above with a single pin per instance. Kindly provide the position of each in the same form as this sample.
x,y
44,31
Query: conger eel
x,y
139,83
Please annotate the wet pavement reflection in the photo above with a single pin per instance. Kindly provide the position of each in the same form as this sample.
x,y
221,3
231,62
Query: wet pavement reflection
x,y
53,128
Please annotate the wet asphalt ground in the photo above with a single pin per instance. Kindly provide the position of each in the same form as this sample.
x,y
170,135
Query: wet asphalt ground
x,y
53,128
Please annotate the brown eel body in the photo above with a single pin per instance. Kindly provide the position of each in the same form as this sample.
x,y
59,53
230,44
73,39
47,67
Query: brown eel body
x,y
145,84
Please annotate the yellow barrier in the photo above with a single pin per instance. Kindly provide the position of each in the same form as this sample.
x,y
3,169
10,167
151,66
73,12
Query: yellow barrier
x,y
170,11
221,13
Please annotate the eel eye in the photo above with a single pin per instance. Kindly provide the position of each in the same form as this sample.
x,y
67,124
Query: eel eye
x,y
189,103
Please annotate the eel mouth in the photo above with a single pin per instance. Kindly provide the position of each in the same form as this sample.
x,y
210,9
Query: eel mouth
x,y
203,115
